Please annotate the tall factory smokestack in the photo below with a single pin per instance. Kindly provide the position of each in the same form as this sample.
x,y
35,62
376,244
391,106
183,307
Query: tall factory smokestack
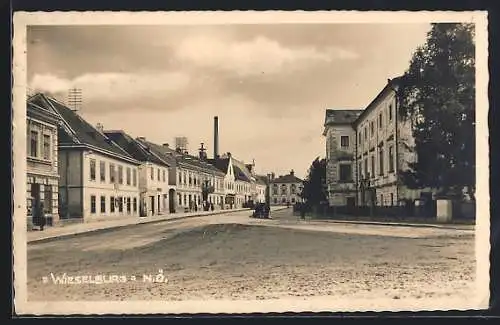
x,y
216,137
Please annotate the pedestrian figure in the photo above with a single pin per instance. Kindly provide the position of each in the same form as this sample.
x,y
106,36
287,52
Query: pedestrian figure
x,y
303,211
212,206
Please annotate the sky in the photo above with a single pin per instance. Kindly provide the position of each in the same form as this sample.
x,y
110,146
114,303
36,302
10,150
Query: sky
x,y
269,84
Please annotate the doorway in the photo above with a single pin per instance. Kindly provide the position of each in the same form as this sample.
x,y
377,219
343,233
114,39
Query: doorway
x,y
171,200
152,198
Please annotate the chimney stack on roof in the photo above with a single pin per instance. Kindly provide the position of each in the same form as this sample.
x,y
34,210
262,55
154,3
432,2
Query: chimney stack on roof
x,y
165,145
100,127
216,137
292,172
142,138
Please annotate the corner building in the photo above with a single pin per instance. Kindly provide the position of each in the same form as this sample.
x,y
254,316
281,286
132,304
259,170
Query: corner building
x,y
366,150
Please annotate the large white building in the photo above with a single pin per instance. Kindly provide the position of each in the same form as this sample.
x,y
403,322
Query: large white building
x,y
97,178
42,155
285,189
366,149
153,175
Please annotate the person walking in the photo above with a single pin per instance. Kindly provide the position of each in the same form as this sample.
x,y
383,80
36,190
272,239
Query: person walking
x,y
303,211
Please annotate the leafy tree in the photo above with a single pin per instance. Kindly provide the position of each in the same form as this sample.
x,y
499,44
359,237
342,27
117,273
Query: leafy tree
x,y
437,94
313,189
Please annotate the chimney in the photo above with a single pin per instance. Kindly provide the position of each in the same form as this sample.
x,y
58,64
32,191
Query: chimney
x,y
100,127
272,176
202,153
165,145
292,172
142,138
216,137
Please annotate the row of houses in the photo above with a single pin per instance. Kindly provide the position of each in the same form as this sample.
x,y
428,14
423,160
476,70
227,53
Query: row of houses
x,y
82,172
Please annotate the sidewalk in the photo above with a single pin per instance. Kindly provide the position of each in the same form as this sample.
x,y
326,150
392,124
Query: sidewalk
x,y
400,224
104,225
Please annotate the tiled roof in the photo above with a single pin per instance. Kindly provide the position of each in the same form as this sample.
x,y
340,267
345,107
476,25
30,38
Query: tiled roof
x,y
241,172
287,179
80,132
175,158
341,116
220,163
134,148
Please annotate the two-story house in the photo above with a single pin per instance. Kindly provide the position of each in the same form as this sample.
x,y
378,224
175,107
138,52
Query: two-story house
x,y
41,154
285,189
153,174
97,178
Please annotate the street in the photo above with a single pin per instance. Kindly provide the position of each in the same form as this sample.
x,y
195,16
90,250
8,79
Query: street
x,y
237,257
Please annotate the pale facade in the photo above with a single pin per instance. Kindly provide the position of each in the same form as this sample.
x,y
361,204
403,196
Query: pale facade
x,y
42,157
286,189
110,186
365,150
154,188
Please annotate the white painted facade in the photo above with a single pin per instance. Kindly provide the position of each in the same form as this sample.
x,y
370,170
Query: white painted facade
x,y
154,189
110,189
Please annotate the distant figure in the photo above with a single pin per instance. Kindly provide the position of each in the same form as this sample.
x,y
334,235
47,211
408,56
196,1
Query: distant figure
x,y
43,221
38,215
303,211
195,207
212,206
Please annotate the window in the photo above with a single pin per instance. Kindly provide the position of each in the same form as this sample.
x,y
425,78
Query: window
x,y
180,178
134,177
283,189
102,171
92,169
152,172
366,133
190,180
120,174
180,199
359,137
372,129
293,189
128,175
380,122
46,146
275,189
135,204
164,178
112,204
275,201
103,204
391,159
34,144
345,172
283,200
373,166
390,112
128,205
158,174
112,175
344,141
92,204
392,199
120,204
381,199
366,168
360,170
293,200
381,161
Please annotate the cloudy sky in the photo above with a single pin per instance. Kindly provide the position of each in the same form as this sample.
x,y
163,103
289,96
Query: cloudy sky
x,y
269,84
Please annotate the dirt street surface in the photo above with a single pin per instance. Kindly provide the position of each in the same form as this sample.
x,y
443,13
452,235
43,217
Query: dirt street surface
x,y
236,257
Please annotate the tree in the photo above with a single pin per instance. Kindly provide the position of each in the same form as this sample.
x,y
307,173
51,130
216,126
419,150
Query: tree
x,y
313,190
437,93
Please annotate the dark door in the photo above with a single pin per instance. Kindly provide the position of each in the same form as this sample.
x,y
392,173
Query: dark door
x,y
171,201
351,201
159,202
152,204
35,193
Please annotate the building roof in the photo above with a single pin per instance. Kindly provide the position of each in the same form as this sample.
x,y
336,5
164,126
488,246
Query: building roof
x,y
175,158
220,163
262,180
290,178
134,148
353,116
241,172
391,85
75,131
341,116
